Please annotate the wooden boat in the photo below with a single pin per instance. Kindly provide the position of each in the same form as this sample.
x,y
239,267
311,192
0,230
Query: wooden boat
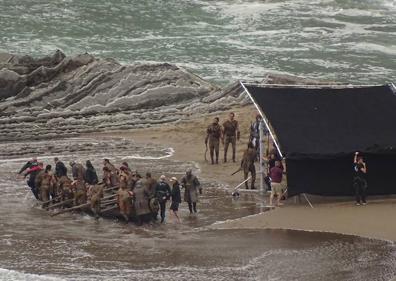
x,y
109,208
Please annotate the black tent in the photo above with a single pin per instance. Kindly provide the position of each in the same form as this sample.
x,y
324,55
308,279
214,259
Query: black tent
x,y
319,128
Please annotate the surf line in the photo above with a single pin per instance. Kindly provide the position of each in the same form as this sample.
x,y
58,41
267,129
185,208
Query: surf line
x,y
169,153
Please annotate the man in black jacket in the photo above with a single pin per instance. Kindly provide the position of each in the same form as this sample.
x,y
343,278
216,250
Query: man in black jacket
x,y
359,179
162,193
60,168
90,174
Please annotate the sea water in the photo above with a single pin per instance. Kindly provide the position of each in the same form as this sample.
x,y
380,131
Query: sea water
x,y
223,41
36,246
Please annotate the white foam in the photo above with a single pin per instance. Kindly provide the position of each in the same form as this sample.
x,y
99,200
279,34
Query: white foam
x,y
375,48
12,275
169,153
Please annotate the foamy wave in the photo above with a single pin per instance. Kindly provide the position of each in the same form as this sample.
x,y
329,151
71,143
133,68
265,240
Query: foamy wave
x,y
169,153
12,275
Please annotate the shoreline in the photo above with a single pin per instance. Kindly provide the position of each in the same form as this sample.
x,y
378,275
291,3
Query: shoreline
x,y
334,215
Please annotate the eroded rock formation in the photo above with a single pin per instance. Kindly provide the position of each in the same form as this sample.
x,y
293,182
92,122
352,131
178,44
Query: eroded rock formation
x,y
59,96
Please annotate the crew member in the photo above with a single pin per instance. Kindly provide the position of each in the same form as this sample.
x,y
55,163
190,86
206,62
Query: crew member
x,y
359,180
29,164
191,186
276,174
255,132
213,135
247,165
176,197
90,174
32,172
230,135
60,168
162,193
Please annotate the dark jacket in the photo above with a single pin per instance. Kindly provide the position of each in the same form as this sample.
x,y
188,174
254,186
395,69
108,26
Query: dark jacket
x,y
60,169
175,193
162,190
90,176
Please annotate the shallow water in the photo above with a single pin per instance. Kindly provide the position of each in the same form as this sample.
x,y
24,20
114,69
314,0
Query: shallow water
x,y
338,40
35,246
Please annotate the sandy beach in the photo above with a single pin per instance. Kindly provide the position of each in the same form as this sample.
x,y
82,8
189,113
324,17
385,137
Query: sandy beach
x,y
338,215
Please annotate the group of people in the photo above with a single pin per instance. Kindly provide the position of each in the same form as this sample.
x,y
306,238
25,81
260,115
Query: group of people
x,y
228,133
137,197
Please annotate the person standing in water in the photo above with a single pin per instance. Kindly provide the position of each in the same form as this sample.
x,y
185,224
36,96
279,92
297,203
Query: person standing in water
x,y
176,197
247,165
191,187
90,174
162,193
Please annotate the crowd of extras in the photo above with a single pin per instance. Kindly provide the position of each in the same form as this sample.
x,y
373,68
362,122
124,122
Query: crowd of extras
x,y
228,134
136,198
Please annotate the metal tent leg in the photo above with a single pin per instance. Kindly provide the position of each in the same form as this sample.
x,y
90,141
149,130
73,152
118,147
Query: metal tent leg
x,y
306,198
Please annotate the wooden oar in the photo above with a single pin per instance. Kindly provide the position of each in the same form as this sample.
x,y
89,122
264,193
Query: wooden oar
x,y
109,209
71,209
67,201
49,201
109,196
109,202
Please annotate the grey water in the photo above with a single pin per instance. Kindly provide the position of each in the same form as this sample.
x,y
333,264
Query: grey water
x,y
222,41
337,40
35,246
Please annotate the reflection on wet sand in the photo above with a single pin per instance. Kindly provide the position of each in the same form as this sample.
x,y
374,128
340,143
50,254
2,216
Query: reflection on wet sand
x,y
76,247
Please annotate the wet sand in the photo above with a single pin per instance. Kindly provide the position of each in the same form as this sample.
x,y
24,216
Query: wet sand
x,y
338,215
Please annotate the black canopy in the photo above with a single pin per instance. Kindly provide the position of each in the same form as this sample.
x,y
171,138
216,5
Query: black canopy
x,y
319,128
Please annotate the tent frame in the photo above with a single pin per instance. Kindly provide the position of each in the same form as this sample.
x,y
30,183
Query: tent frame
x,y
261,151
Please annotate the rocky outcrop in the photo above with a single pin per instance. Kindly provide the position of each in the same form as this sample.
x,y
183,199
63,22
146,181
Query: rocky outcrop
x,y
58,96
65,96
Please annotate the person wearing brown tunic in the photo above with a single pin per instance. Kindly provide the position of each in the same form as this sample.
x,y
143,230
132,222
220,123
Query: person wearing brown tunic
x,y
150,184
44,182
213,135
124,196
80,192
78,171
141,204
247,164
95,194
191,187
230,135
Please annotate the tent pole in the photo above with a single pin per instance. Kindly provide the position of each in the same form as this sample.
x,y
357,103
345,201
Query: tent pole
x,y
261,153
306,198
263,118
